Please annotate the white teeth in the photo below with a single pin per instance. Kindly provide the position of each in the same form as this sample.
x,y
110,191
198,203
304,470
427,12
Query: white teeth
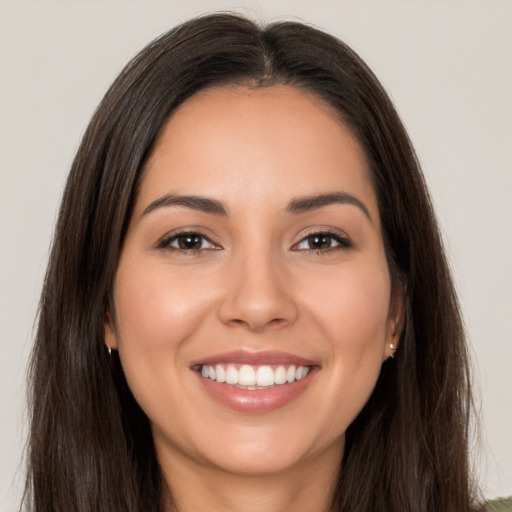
x,y
265,376
254,377
221,374
280,375
246,376
231,375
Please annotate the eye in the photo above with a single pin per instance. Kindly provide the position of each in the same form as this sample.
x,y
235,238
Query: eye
x,y
322,241
187,241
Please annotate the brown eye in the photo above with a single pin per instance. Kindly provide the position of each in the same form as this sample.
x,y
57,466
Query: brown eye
x,y
323,242
319,241
192,242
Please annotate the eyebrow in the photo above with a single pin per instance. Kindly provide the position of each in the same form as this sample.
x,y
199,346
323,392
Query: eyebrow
x,y
203,204
296,206
305,204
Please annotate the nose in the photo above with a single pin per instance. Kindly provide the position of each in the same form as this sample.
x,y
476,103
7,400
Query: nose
x,y
258,294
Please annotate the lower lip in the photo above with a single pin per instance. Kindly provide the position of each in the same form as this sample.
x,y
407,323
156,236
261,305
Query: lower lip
x,y
256,400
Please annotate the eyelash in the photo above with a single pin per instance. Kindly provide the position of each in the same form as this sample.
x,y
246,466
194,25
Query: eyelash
x,y
341,241
167,242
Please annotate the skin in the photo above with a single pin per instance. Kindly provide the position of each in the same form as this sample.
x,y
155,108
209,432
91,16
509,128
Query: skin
x,y
256,285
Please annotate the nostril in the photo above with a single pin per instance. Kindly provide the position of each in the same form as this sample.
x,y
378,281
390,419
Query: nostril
x,y
256,305
278,321
258,324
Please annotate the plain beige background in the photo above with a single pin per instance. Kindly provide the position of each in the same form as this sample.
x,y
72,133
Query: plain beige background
x,y
448,66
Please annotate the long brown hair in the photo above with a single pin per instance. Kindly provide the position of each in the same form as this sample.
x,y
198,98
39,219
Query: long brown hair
x,y
90,445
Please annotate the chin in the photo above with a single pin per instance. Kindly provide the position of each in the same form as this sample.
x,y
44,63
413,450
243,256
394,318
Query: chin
x,y
247,463
268,452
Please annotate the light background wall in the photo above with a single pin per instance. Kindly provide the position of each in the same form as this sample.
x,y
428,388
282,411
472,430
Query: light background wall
x,y
448,66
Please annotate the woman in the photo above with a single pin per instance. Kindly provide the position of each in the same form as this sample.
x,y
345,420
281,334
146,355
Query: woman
x,y
247,306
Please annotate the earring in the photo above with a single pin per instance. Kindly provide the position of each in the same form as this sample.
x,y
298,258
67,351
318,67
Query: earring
x,y
393,348
109,351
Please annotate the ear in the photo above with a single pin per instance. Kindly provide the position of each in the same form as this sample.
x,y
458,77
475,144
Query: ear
x,y
110,336
396,320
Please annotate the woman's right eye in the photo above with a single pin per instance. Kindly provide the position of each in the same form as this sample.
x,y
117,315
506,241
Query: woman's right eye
x,y
189,241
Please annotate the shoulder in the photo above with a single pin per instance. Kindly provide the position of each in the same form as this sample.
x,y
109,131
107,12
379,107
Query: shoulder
x,y
499,505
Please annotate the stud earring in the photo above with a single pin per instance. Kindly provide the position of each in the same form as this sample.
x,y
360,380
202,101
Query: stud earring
x,y
393,348
109,351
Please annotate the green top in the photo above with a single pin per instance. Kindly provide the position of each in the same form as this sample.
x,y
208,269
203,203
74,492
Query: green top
x,y
500,505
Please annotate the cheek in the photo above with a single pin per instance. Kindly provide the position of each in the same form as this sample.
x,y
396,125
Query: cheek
x,y
352,312
352,307
154,308
157,314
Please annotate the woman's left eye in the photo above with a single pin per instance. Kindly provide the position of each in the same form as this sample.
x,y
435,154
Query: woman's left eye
x,y
322,242
190,241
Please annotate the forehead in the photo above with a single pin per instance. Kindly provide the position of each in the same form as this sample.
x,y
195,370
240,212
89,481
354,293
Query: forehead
x,y
245,145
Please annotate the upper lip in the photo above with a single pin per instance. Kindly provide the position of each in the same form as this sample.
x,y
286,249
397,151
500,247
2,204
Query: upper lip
x,y
269,357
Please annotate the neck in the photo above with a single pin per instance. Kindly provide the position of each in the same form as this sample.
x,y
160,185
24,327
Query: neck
x,y
308,487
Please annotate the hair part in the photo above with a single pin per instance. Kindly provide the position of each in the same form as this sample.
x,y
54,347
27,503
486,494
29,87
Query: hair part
x,y
90,444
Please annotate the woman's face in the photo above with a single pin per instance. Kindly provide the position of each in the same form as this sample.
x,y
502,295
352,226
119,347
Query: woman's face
x,y
252,299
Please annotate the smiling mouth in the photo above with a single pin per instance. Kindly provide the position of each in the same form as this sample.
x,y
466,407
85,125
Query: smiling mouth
x,y
255,382
258,377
